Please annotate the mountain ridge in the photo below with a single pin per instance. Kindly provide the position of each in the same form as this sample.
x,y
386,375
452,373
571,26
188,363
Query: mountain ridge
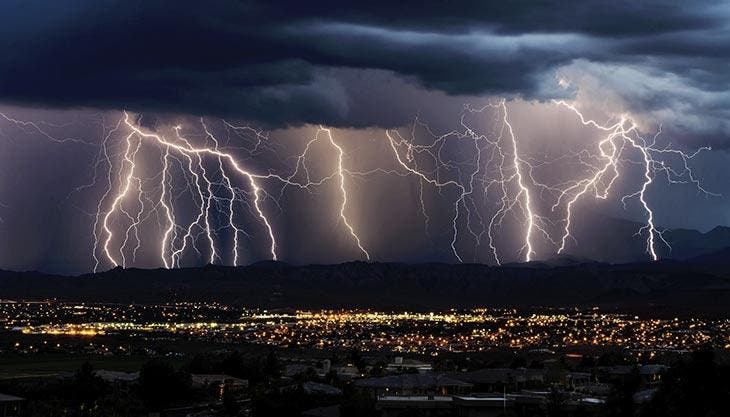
x,y
699,285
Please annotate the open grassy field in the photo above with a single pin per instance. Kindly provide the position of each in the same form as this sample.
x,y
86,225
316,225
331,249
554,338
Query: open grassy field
x,y
19,366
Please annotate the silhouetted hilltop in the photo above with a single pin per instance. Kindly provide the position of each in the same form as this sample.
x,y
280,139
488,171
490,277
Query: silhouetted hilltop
x,y
609,239
716,259
558,261
665,286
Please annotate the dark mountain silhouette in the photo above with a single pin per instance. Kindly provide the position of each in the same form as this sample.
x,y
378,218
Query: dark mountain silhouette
x,y
716,259
691,243
664,287
693,277
561,260
608,239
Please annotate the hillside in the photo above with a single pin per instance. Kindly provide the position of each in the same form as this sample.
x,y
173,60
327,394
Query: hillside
x,y
699,285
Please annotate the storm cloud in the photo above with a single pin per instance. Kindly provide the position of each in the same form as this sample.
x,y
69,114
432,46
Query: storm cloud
x,y
291,63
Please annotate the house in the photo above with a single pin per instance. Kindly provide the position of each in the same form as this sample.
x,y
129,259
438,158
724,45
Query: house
x,y
116,376
524,402
499,379
617,373
652,374
649,374
331,411
577,379
348,372
206,380
220,384
414,385
295,369
408,365
311,387
10,405
421,405
485,405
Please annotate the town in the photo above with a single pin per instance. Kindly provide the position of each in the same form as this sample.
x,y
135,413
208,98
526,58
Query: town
x,y
200,359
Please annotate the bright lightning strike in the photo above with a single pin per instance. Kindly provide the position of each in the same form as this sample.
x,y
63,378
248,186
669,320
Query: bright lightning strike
x,y
132,205
491,183
343,190
200,184
499,165
620,137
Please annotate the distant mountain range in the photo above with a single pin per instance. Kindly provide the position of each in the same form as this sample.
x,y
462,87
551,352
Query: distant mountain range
x,y
613,240
697,285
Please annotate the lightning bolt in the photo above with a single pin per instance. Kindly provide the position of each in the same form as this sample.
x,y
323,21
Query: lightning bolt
x,y
130,201
499,165
491,166
621,136
523,191
511,180
30,126
201,185
231,200
343,191
400,141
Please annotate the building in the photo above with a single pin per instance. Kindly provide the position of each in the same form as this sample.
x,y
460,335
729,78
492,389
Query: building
x,y
427,384
116,376
575,380
482,405
311,387
501,379
220,384
421,405
649,374
331,411
652,374
408,365
206,380
10,405
295,369
348,372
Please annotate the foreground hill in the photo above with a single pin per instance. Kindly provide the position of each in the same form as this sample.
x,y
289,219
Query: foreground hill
x,y
700,285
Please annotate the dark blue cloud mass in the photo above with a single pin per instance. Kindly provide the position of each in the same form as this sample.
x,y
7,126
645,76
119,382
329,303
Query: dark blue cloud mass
x,y
288,63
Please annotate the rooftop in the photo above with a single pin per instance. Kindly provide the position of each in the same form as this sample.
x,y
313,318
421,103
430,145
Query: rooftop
x,y
409,381
5,398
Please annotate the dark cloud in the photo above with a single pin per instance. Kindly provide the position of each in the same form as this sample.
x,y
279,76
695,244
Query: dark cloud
x,y
282,63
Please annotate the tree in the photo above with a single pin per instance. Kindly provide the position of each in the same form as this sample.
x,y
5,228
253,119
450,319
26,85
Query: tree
x,y
160,385
201,364
556,402
272,366
86,387
355,357
358,404
697,388
620,402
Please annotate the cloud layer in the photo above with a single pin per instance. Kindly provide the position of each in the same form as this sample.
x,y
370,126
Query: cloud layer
x,y
286,64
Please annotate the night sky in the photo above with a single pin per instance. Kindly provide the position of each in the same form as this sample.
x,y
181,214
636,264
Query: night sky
x,y
353,86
